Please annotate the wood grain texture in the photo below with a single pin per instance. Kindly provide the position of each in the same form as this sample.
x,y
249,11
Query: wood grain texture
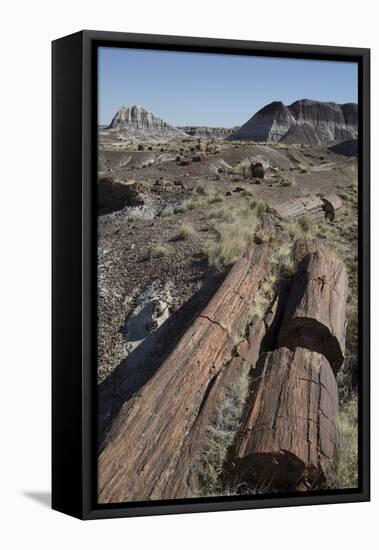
x,y
305,246
288,438
145,445
315,314
302,206
186,481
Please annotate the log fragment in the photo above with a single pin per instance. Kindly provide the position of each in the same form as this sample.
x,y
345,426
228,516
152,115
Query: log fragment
x,y
332,203
288,438
303,206
142,450
315,314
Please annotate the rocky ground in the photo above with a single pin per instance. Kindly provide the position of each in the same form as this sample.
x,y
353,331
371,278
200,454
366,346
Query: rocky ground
x,y
173,218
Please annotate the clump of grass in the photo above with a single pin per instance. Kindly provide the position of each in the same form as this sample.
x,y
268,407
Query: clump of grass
x,y
234,227
166,211
136,216
187,231
302,169
282,264
305,224
202,195
258,206
181,208
346,475
287,181
157,251
299,227
221,433
243,167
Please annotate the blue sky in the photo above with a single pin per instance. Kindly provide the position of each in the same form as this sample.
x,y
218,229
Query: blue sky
x,y
212,89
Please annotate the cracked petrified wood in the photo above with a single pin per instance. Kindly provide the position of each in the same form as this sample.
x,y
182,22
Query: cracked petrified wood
x,y
288,437
141,455
302,206
332,203
186,482
315,314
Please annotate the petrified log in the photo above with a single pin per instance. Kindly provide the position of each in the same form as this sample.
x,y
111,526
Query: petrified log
x,y
288,438
185,483
305,246
315,314
332,203
144,446
303,206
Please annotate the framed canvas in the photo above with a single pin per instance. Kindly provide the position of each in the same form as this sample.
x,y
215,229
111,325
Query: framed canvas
x,y
210,275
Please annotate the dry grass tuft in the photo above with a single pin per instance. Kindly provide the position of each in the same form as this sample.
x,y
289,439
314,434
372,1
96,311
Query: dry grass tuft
x,y
346,476
287,181
221,433
187,231
234,227
202,195
166,211
302,169
157,251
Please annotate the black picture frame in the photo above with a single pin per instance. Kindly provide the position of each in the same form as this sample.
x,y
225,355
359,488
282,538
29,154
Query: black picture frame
x,y
74,91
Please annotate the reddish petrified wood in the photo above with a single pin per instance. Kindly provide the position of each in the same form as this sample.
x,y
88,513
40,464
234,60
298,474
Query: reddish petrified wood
x,y
315,314
141,455
185,482
288,438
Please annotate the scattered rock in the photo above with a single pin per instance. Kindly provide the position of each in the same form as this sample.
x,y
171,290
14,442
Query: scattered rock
x,y
257,170
198,158
179,183
114,195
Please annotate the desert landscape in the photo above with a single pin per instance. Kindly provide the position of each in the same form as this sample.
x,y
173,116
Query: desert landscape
x,y
227,304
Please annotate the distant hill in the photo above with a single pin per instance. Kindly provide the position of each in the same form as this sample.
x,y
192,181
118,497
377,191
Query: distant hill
x,y
139,122
305,121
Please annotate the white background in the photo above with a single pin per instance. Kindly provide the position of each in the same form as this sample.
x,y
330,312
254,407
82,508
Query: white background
x,y
27,29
